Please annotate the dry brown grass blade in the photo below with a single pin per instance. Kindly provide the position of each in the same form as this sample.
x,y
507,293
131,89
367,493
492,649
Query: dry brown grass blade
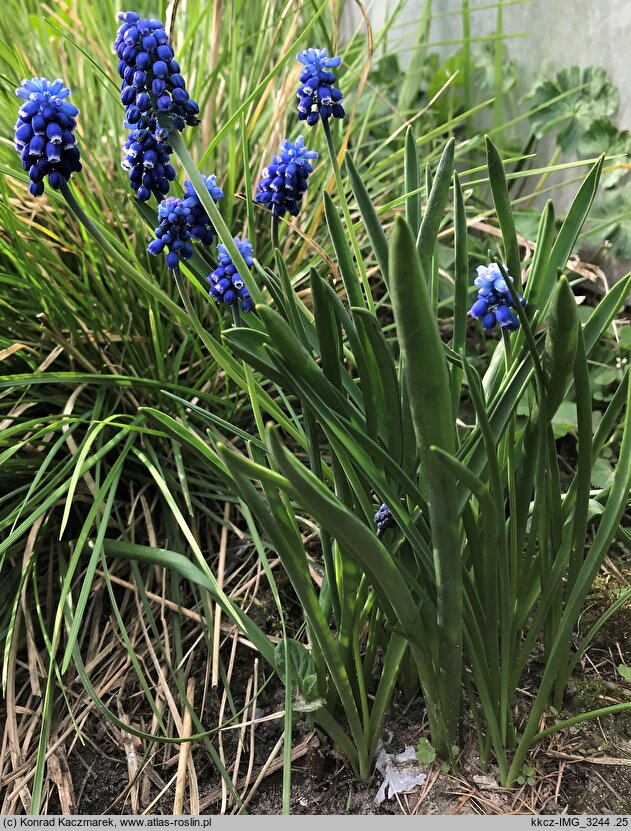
x,y
588,760
252,749
185,754
130,743
59,772
221,568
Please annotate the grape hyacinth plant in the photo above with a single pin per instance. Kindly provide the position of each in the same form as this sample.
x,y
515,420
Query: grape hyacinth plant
x,y
317,97
488,563
226,284
495,302
44,133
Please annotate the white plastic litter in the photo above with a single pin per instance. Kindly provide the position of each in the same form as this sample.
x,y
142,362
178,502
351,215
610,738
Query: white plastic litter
x,y
401,773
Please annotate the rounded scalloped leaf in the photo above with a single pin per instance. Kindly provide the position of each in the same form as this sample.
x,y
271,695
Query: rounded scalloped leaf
x,y
605,137
572,102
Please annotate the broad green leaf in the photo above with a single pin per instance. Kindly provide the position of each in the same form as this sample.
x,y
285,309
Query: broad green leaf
x,y
624,672
428,385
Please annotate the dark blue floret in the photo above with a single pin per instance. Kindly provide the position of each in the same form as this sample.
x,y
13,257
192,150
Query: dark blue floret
x,y
147,160
317,97
151,80
495,303
44,133
226,284
384,519
284,181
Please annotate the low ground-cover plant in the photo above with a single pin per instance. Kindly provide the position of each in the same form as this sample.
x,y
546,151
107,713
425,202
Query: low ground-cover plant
x,y
477,555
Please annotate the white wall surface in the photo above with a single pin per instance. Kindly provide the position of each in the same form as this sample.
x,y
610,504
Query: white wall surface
x,y
559,33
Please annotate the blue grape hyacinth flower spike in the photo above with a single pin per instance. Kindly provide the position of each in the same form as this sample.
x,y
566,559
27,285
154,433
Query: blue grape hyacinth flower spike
x,y
317,97
44,133
495,302
284,181
152,86
173,233
182,220
384,519
226,284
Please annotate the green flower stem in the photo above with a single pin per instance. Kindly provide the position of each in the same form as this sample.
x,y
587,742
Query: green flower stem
x,y
274,233
215,217
570,722
124,265
347,214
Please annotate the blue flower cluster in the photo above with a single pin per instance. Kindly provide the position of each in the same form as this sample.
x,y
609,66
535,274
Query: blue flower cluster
x,y
226,284
183,219
44,133
317,97
173,232
284,181
148,163
384,519
151,80
495,303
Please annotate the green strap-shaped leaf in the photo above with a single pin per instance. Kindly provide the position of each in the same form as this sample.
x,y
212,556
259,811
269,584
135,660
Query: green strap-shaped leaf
x,y
501,200
388,386
428,384
172,560
566,239
436,203
372,224
543,247
343,253
368,551
461,279
300,359
328,329
412,179
561,343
